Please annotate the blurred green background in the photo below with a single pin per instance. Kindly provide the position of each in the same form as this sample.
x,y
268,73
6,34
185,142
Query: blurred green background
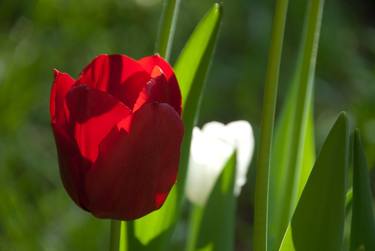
x,y
39,35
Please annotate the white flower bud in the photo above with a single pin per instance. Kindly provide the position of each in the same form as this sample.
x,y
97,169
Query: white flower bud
x,y
210,149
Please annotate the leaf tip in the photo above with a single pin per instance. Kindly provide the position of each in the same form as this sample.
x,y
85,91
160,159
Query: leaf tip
x,y
343,120
218,8
343,116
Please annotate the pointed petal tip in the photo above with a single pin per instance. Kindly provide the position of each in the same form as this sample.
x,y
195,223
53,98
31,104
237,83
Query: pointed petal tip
x,y
61,76
56,72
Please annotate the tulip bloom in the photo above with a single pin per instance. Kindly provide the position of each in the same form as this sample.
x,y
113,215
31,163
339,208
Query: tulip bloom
x,y
118,132
210,149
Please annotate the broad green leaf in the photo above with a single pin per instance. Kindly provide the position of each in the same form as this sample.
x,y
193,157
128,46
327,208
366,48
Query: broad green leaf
x,y
212,226
318,221
363,220
153,231
294,149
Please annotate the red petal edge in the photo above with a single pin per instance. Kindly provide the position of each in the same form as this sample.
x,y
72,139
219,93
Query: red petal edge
x,y
118,75
172,88
60,87
72,165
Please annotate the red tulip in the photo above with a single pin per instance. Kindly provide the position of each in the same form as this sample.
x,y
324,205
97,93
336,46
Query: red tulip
x,y
118,132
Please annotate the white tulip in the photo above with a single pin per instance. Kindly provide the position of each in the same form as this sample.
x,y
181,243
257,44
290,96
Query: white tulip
x,y
210,149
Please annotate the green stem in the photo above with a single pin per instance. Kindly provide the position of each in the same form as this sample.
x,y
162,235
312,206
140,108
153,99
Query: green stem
x,y
114,244
194,226
267,125
167,28
121,234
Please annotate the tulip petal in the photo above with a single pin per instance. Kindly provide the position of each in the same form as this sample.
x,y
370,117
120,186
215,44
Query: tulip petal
x,y
58,110
149,63
208,155
239,134
211,148
119,75
137,165
72,165
156,63
243,138
93,113
157,90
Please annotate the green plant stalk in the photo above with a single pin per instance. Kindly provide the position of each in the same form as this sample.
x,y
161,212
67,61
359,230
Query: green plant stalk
x,y
195,220
120,239
114,244
167,28
305,93
267,125
123,245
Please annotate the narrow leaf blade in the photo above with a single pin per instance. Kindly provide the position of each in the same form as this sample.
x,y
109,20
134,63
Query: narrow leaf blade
x,y
167,27
281,170
212,226
191,69
294,149
363,220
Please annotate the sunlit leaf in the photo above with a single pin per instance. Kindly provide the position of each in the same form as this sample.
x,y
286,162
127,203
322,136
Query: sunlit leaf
x,y
318,221
191,69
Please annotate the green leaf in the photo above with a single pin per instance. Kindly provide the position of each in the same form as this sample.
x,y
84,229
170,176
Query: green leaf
x,y
191,70
154,230
192,65
212,226
318,221
363,220
280,169
294,149
261,214
167,27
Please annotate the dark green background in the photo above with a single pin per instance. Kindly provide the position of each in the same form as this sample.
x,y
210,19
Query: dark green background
x,y
39,35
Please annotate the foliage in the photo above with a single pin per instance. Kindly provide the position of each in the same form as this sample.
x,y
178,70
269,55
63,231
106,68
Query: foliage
x,y
39,35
